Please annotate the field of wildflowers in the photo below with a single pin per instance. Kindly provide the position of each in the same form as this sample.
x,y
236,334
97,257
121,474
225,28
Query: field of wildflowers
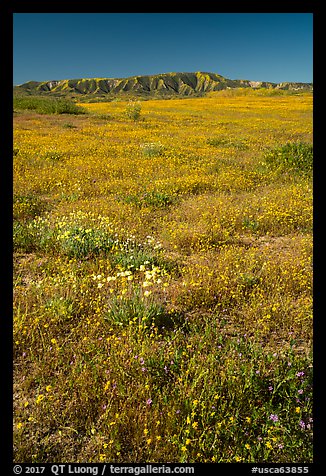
x,y
163,281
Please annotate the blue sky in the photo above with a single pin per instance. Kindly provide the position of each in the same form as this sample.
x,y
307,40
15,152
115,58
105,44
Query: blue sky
x,y
257,46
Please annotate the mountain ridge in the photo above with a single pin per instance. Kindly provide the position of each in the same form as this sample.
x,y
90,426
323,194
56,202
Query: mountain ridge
x,y
180,84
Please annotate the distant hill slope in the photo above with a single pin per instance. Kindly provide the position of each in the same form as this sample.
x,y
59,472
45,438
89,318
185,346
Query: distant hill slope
x,y
167,84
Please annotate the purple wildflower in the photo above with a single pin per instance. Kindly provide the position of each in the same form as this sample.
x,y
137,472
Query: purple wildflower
x,y
273,417
300,392
302,424
300,374
149,401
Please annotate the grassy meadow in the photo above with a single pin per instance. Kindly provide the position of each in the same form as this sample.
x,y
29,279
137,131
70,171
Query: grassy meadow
x,y
163,281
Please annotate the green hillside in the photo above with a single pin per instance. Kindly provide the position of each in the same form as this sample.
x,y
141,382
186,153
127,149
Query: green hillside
x,y
168,84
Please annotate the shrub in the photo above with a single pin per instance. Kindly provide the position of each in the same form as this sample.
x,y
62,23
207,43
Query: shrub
x,y
152,149
297,156
68,125
103,117
134,257
53,155
23,238
135,307
72,240
27,206
150,199
250,224
226,142
47,105
79,242
144,311
133,110
158,199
